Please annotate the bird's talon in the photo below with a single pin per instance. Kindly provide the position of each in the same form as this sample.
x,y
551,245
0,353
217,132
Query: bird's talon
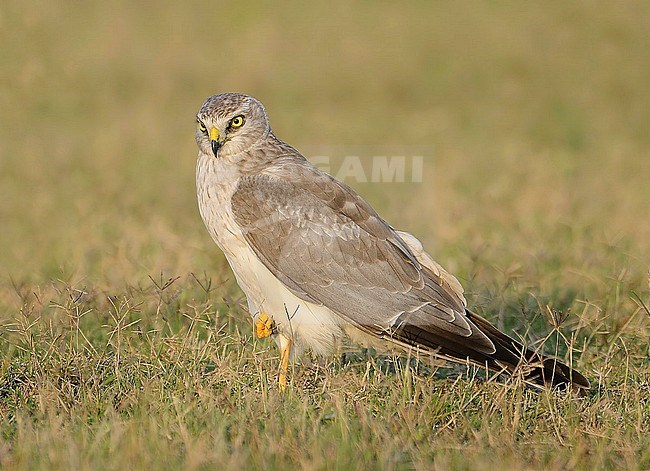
x,y
264,326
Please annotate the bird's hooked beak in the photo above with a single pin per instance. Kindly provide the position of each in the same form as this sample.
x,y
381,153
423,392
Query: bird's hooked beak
x,y
214,140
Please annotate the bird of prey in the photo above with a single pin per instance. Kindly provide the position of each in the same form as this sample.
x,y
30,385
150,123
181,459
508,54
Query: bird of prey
x,y
317,262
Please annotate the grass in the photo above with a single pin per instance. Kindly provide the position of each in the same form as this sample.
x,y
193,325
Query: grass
x,y
123,339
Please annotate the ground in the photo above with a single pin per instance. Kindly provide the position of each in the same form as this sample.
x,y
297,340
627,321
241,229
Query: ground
x,y
124,338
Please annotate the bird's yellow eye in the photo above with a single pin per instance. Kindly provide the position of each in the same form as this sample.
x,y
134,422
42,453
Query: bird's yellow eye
x,y
237,121
201,126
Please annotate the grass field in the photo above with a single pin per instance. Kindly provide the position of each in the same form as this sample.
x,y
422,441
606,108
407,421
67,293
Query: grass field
x,y
123,337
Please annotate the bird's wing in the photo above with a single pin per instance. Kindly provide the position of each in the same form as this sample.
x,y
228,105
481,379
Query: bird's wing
x,y
448,281
328,246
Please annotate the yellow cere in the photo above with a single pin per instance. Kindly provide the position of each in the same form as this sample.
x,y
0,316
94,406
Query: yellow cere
x,y
214,134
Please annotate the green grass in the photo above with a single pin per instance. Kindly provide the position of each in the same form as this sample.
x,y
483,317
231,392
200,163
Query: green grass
x,y
123,339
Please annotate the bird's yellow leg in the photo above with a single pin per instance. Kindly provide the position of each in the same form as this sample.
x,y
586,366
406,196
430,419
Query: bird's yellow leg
x,y
285,352
264,326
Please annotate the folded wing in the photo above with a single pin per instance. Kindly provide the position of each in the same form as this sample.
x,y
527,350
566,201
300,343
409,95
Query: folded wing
x,y
329,247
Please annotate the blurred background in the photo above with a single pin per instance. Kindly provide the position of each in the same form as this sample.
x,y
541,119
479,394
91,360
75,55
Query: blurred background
x,y
535,116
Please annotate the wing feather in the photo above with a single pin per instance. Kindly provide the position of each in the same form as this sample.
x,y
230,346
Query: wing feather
x,y
329,247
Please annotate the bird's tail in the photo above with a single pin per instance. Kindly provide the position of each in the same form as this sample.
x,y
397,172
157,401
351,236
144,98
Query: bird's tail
x,y
535,368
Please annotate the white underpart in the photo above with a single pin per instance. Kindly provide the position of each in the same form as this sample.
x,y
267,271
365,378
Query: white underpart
x,y
306,324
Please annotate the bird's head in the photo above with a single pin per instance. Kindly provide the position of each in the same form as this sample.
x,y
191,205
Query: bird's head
x,y
230,123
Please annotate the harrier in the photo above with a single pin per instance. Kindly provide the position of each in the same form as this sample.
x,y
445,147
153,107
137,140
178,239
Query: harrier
x,y
317,262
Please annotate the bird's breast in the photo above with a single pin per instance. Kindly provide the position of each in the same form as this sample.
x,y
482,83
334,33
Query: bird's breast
x,y
215,184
